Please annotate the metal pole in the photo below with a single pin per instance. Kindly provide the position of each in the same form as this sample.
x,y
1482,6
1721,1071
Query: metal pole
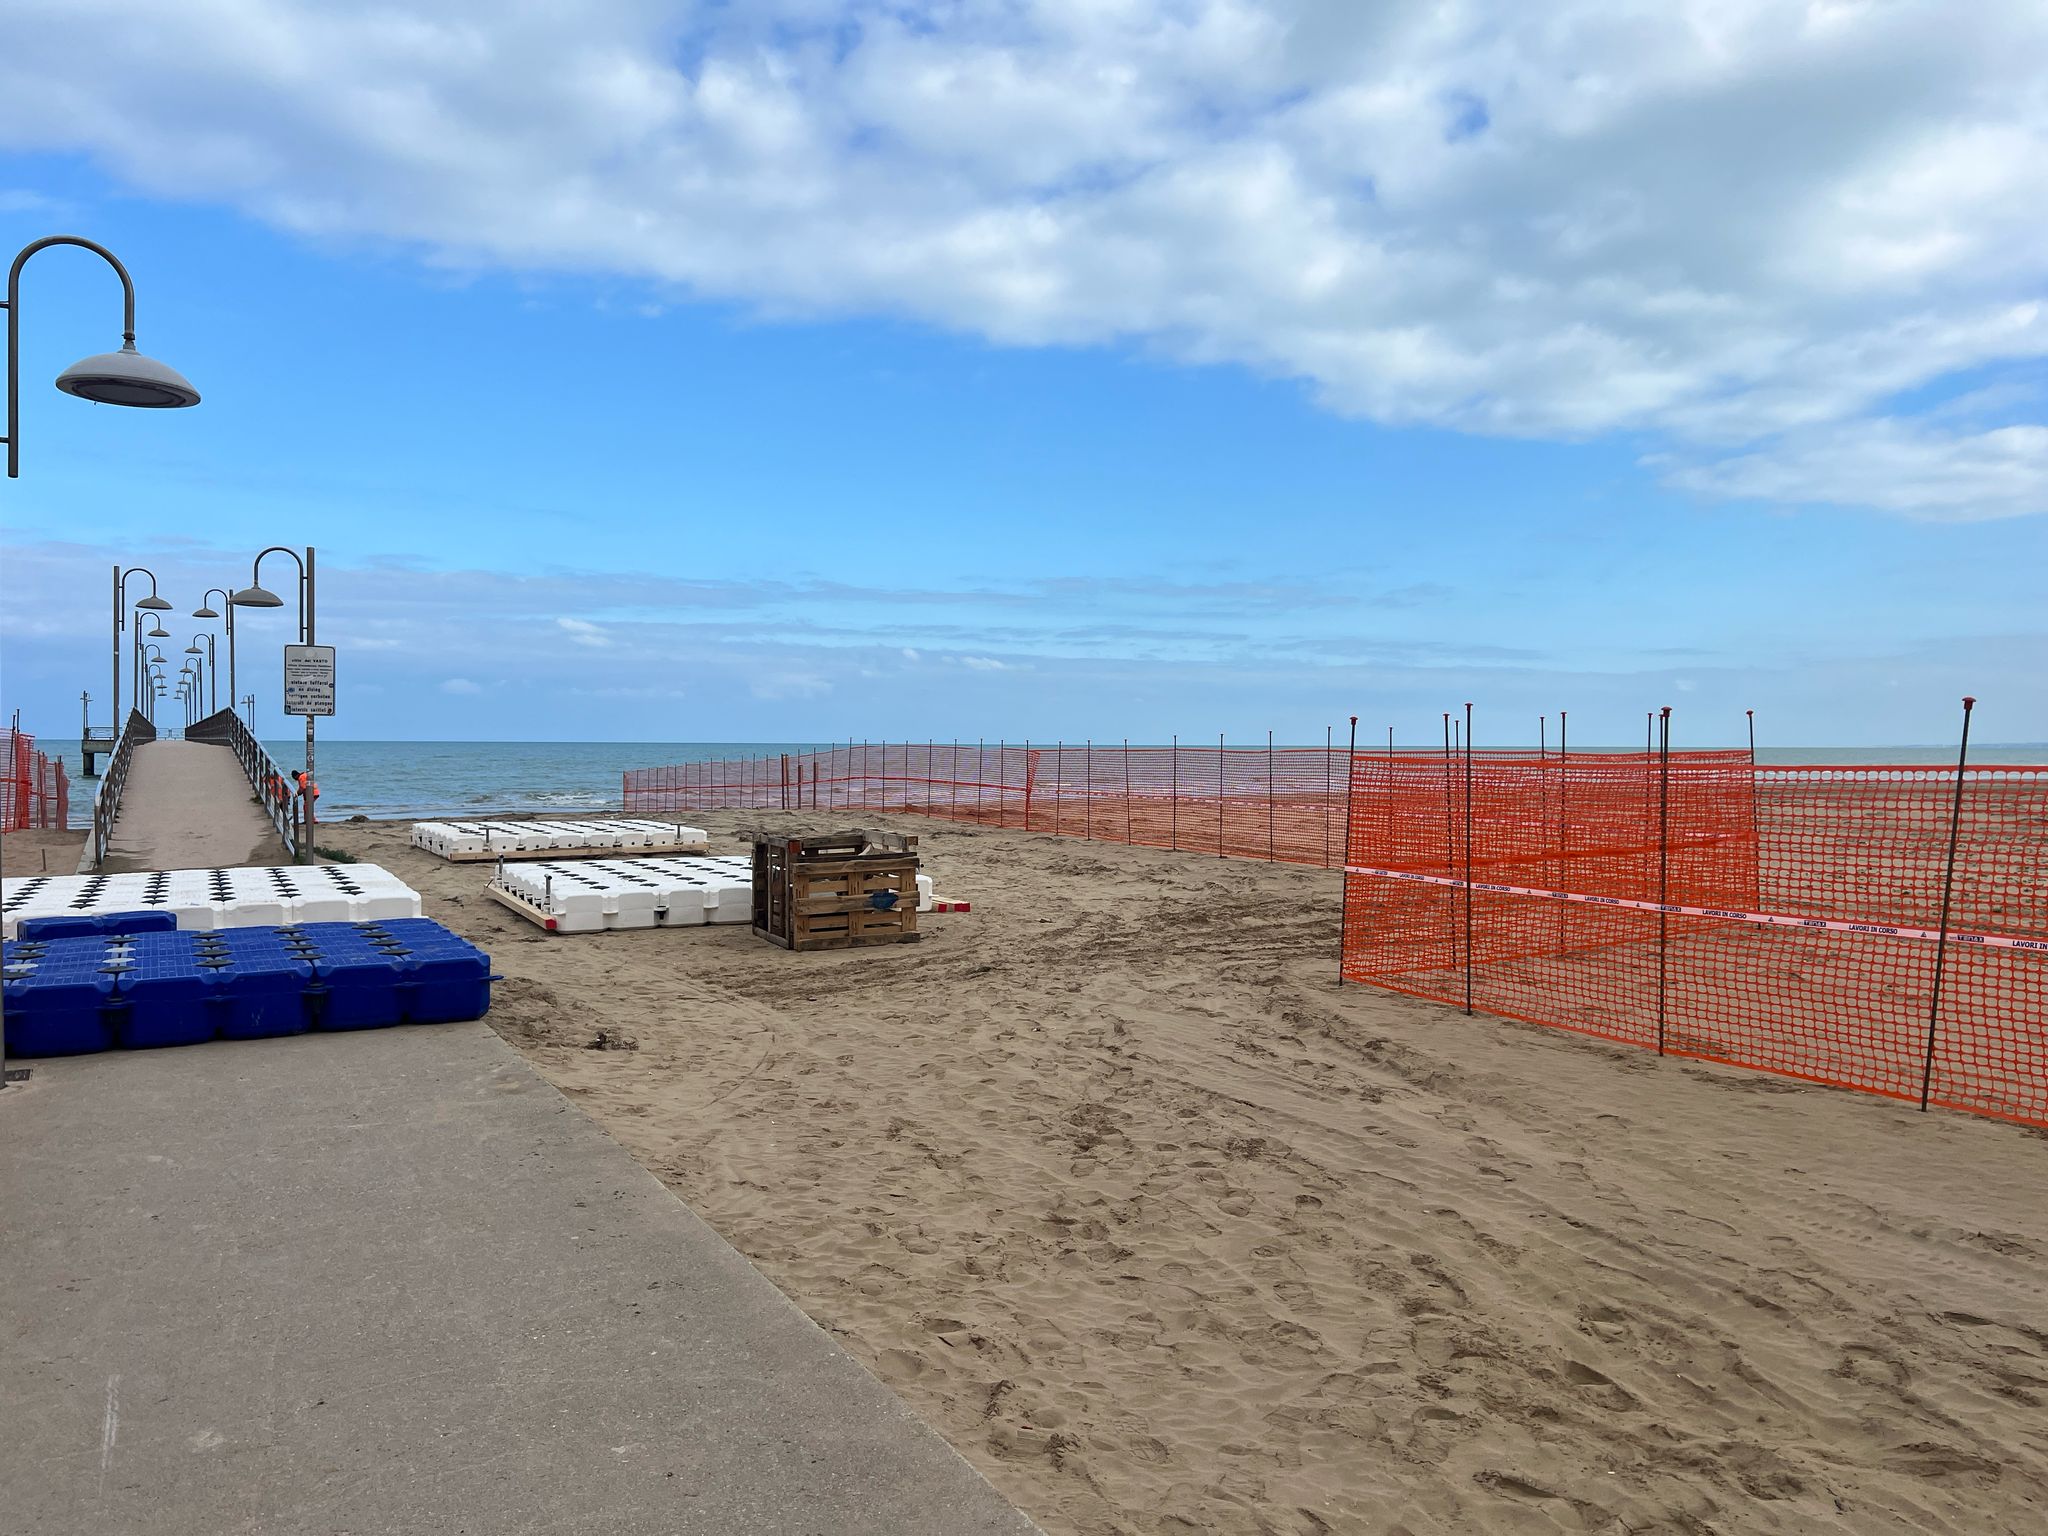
x,y
1328,747
1663,867
1344,910
1563,775
1219,794
1127,791
114,698
1269,797
307,794
1450,836
1088,790
1176,794
1948,882
1468,858
1059,770
1756,821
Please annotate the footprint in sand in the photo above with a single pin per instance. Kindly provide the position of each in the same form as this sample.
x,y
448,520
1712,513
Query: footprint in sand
x,y
1599,1387
899,1365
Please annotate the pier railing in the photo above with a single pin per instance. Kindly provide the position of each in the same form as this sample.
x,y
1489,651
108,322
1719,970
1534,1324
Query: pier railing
x,y
275,790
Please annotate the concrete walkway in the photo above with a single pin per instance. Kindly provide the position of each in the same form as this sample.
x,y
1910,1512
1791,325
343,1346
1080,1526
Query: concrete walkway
x,y
188,805
394,1282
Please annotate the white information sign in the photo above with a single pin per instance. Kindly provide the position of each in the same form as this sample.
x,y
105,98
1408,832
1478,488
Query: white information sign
x,y
309,679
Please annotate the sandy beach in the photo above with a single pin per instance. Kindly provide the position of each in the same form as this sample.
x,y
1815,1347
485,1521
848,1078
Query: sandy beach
x,y
1165,1232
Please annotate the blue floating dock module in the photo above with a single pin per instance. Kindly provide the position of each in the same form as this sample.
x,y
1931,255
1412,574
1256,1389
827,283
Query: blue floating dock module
x,y
451,977
60,1008
402,970
85,992
163,996
84,924
260,989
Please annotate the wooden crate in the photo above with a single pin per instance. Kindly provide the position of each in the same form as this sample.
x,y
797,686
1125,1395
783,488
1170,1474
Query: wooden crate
x,y
834,892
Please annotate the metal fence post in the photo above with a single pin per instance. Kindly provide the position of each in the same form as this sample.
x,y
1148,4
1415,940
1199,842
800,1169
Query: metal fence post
x,y
1948,881
1663,866
1468,858
1219,794
1327,749
1450,838
1269,797
1176,794
1350,774
1563,827
1127,791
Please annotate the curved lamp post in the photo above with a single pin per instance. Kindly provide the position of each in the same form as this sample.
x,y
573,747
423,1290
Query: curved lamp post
x,y
148,671
125,377
256,595
202,664
152,602
206,610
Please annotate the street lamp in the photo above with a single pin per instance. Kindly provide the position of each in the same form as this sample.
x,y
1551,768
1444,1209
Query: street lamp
x,y
153,603
148,671
202,663
206,610
125,377
256,595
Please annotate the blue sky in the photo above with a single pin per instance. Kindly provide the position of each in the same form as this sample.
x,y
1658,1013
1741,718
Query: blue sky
x,y
716,431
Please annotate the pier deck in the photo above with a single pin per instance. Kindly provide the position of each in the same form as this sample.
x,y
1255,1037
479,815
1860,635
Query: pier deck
x,y
393,1281
187,805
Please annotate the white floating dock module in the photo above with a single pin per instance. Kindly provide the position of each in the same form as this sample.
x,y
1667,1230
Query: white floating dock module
x,y
596,895
218,898
593,895
475,842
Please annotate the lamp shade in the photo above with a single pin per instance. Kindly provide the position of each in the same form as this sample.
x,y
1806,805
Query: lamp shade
x,y
204,611
154,603
127,377
256,597
159,633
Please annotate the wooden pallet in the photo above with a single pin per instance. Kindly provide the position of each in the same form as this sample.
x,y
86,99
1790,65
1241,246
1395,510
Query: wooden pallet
x,y
834,892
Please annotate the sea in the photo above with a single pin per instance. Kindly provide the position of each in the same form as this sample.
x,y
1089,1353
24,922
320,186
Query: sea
x,y
401,779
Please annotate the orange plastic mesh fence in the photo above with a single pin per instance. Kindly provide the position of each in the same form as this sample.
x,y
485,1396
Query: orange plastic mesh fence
x,y
1280,803
1787,919
34,789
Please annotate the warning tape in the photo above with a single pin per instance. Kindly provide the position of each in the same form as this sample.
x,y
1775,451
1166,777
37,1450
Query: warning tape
x,y
1759,919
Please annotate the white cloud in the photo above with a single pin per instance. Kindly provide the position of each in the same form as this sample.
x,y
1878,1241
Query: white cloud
x,y
789,685
1726,223
1897,466
583,632
460,686
984,664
